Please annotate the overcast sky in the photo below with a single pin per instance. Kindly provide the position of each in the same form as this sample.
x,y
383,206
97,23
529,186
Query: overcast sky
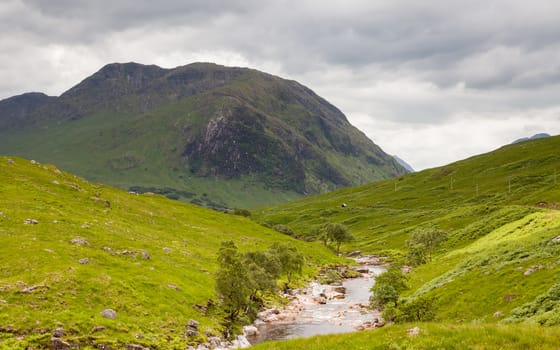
x,y
430,81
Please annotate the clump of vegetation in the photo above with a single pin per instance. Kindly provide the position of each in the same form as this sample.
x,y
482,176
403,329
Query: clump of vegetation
x,y
544,310
241,212
284,229
422,243
243,279
336,233
330,276
388,288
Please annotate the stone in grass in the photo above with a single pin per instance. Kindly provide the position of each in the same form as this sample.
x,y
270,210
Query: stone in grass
x,y
413,332
59,344
135,347
58,333
83,261
80,241
173,286
193,324
30,222
109,313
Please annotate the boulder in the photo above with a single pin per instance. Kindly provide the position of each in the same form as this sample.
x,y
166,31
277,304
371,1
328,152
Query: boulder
x,y
173,286
58,333
59,344
340,289
135,347
109,313
215,342
498,314
145,255
241,342
192,333
250,331
80,241
193,324
413,332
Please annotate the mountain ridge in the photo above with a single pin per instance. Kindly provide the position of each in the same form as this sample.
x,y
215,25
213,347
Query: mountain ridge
x,y
199,129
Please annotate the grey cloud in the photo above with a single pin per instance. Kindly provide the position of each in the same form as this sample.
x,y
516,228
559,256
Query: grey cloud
x,y
414,65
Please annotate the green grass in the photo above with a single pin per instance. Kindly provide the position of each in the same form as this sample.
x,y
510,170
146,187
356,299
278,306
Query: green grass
x,y
181,240
500,212
432,336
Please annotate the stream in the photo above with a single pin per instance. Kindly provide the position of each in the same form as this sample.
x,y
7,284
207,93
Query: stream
x,y
340,314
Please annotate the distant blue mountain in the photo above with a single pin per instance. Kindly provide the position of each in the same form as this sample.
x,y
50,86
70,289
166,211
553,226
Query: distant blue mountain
x,y
536,136
404,164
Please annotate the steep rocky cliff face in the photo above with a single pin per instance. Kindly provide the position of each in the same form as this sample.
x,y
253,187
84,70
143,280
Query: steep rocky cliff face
x,y
209,134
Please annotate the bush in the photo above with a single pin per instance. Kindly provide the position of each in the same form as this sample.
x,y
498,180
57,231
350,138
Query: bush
x,y
419,309
284,229
241,212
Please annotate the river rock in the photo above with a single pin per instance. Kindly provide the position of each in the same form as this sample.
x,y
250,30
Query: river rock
x,y
215,342
250,331
354,254
340,289
240,343
109,313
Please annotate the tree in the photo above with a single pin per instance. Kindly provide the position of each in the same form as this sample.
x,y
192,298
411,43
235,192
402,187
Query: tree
x,y
388,287
291,260
231,281
263,269
339,234
422,243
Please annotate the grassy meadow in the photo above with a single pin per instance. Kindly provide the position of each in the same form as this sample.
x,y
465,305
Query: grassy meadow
x,y
149,258
500,265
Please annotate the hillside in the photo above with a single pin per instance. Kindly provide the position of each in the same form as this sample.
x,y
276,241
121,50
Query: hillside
x,y
71,248
500,211
203,133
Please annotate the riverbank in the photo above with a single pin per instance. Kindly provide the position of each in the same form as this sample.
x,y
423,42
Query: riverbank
x,y
338,307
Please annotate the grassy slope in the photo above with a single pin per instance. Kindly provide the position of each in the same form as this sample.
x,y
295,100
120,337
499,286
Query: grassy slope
x,y
495,236
432,336
72,294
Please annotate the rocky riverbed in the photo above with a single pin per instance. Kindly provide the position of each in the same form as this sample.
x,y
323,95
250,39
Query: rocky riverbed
x,y
322,309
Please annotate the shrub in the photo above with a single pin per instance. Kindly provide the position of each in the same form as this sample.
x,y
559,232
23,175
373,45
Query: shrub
x,y
284,229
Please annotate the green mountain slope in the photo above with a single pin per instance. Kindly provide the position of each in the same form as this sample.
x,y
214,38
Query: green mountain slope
x,y
500,210
70,249
202,133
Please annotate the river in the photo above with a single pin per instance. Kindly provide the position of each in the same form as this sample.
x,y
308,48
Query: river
x,y
335,316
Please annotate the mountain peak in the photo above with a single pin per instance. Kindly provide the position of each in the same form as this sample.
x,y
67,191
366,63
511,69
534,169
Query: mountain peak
x,y
220,136
534,137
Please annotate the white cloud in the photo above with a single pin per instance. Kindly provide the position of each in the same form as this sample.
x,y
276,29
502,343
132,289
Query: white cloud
x,y
430,81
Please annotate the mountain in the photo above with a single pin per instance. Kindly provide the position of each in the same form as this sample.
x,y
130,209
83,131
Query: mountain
x,y
404,164
536,136
16,111
71,249
500,212
203,133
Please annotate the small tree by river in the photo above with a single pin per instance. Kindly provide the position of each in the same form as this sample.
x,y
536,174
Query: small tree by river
x,y
242,279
